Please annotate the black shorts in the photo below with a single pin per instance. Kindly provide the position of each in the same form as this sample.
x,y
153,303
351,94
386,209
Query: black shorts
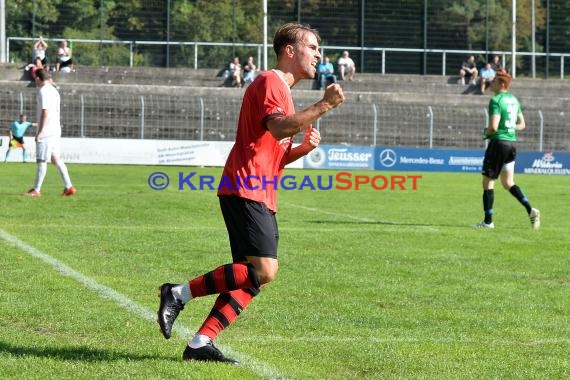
x,y
251,226
498,154
19,139
69,62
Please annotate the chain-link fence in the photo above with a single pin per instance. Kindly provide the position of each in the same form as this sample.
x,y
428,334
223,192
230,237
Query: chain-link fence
x,y
162,33
214,118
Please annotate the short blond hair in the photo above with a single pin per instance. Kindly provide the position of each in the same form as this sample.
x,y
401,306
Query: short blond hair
x,y
290,34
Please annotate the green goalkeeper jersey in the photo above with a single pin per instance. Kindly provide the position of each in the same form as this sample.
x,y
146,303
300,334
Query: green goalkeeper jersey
x,y
507,106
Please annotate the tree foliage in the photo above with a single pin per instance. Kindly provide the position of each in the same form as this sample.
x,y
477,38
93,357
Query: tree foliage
x,y
451,24
481,22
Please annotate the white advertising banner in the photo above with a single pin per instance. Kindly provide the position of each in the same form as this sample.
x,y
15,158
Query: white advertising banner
x,y
144,152
135,152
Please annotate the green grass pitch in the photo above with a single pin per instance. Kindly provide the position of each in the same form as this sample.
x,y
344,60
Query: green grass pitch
x,y
372,284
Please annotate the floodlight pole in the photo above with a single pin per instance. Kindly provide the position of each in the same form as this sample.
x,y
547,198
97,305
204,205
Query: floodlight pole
x,y
168,33
2,31
514,40
264,35
533,28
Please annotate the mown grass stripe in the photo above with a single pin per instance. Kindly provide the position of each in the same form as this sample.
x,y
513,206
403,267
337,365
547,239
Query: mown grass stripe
x,y
135,308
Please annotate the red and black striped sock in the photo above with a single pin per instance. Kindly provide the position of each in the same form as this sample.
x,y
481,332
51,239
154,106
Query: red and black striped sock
x,y
227,308
224,279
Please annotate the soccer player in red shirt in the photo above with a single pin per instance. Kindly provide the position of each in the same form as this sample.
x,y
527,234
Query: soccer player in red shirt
x,y
247,191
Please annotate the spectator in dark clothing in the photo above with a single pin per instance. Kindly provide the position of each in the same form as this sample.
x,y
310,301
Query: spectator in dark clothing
x,y
468,71
496,63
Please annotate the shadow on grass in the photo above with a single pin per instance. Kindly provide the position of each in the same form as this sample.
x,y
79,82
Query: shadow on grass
x,y
388,223
80,353
378,222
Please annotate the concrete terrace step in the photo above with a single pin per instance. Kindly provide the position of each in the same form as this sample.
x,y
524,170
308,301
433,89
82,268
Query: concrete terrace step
x,y
441,85
415,89
179,112
150,75
401,96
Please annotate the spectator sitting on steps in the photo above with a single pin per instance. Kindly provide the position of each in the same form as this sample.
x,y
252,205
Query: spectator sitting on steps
x,y
496,63
346,67
64,62
33,67
468,71
325,73
250,70
235,73
487,76
40,51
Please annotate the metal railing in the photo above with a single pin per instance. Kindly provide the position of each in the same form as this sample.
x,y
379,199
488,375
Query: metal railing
x,y
214,118
443,54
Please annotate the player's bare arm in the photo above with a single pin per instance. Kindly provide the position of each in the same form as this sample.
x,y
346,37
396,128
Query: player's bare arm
x,y
520,122
43,120
287,126
311,140
493,125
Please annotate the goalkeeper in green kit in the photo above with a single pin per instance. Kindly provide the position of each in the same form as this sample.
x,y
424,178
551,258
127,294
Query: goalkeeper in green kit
x,y
505,119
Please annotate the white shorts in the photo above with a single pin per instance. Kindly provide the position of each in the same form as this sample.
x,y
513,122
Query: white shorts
x,y
510,167
47,148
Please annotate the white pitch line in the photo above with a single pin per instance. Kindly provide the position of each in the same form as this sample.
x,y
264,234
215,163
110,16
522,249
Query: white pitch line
x,y
332,213
353,217
391,340
260,368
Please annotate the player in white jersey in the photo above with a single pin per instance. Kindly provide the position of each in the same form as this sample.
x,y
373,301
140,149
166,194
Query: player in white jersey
x,y
49,135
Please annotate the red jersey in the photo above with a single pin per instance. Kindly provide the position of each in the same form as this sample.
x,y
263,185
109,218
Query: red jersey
x,y
256,161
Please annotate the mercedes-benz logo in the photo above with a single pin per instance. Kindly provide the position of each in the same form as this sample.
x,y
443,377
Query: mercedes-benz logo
x,y
388,158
